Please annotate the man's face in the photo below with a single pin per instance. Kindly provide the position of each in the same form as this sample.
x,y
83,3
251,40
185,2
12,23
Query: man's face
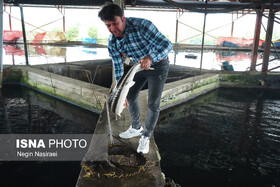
x,y
117,26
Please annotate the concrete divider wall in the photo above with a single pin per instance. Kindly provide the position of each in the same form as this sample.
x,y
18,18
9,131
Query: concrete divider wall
x,y
177,92
180,91
250,80
84,94
93,96
99,74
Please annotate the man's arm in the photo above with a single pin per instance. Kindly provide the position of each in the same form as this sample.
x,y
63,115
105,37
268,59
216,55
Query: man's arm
x,y
160,45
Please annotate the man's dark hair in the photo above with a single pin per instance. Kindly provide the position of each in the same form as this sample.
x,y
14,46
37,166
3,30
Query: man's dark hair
x,y
108,12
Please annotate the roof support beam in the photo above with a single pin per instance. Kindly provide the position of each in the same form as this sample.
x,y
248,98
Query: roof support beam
x,y
120,3
203,35
232,25
268,38
24,35
179,13
9,13
40,27
61,9
206,32
256,38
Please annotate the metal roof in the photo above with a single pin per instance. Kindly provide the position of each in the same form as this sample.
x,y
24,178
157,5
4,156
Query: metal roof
x,y
213,6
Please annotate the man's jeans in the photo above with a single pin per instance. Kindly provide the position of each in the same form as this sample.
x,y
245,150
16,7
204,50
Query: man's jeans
x,y
156,79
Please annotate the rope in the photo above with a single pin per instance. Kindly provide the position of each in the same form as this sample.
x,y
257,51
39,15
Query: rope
x,y
90,173
91,80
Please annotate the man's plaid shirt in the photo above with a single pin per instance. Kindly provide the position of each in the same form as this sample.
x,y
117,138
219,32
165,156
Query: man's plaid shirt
x,y
141,39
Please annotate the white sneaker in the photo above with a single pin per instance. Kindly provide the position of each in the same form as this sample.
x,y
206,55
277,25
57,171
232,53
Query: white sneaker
x,y
131,132
144,144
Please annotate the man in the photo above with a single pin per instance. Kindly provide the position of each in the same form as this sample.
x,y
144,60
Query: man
x,y
141,41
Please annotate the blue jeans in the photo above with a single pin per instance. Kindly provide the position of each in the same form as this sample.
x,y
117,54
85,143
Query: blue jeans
x,y
156,79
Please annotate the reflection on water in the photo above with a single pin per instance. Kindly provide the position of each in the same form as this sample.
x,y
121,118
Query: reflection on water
x,y
229,137
212,60
43,174
48,54
24,111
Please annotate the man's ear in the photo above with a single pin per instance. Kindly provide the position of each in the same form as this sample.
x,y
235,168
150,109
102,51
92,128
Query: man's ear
x,y
123,18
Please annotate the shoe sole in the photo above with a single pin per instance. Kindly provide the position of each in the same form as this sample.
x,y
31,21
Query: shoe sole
x,y
129,137
141,152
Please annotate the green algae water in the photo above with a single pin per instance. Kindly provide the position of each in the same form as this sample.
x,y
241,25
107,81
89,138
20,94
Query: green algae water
x,y
229,137
24,111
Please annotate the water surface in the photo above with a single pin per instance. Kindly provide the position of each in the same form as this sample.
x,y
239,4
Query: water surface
x,y
24,111
229,137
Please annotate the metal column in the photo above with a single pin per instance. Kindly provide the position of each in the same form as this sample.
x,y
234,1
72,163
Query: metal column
x,y
232,25
24,35
1,41
177,24
268,38
179,13
256,38
63,14
10,18
120,3
203,35
9,14
61,9
64,31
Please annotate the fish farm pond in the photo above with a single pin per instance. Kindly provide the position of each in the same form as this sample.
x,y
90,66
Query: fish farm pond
x,y
228,137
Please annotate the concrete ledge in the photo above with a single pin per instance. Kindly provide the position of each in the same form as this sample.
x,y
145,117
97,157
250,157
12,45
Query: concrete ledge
x,y
152,176
177,92
74,91
98,72
252,80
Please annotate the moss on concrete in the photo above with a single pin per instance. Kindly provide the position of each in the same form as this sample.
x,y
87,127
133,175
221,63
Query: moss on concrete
x,y
196,90
21,76
205,84
183,91
250,80
53,91
12,75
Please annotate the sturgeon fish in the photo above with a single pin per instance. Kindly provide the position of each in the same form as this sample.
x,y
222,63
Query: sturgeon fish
x,y
119,93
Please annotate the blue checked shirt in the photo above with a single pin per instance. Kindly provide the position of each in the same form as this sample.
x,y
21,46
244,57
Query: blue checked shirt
x,y
141,39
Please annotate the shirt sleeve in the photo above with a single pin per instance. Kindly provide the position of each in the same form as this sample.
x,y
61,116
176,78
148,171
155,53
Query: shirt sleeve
x,y
160,45
117,61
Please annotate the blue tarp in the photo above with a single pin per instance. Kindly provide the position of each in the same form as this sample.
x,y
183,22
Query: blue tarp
x,y
89,40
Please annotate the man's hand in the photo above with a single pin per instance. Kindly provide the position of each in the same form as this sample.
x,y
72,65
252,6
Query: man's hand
x,y
146,62
125,104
